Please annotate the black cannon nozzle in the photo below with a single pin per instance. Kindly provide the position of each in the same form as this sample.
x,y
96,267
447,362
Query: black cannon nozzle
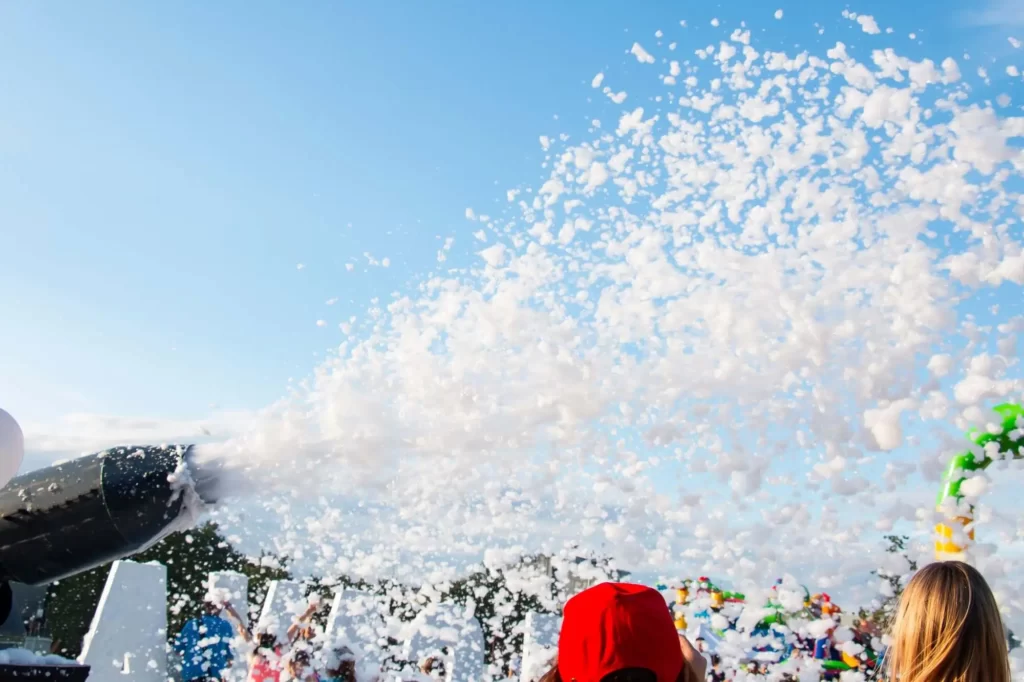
x,y
71,517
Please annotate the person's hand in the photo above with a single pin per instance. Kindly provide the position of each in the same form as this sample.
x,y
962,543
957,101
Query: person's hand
x,y
696,664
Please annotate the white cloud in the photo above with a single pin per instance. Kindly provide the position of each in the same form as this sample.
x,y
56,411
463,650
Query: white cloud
x,y
81,433
998,14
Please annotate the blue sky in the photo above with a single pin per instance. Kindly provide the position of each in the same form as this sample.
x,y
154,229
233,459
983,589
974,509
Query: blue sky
x,y
165,167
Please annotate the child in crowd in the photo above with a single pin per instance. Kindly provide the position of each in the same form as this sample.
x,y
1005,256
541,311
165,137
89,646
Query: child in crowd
x,y
947,629
266,660
616,632
300,667
343,664
434,668
204,645
717,674
342,667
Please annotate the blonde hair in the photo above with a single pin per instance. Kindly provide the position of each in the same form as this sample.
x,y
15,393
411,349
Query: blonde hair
x,y
948,629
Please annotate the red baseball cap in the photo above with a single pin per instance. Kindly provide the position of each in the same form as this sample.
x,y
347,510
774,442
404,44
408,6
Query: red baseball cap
x,y
614,626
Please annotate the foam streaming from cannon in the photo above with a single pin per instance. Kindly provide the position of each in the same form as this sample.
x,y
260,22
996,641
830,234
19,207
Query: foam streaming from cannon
x,y
710,333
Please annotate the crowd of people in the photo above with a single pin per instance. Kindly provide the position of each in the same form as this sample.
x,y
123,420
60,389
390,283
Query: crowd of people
x,y
206,647
947,629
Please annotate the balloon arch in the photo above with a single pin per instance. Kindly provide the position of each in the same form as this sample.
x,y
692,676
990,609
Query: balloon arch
x,y
1006,441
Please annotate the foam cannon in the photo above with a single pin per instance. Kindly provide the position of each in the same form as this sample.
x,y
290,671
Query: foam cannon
x,y
70,517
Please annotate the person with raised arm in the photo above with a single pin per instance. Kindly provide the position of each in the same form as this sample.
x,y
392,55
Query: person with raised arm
x,y
266,658
300,665
204,645
342,666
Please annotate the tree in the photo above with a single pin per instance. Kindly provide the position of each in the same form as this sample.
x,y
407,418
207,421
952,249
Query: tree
x,y
502,597
189,557
500,611
884,610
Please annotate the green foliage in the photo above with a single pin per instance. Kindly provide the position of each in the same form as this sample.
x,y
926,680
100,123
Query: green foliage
x,y
883,612
70,604
500,610
498,606
501,605
189,557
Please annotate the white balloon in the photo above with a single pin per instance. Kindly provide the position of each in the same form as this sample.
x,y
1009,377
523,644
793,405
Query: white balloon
x,y
12,447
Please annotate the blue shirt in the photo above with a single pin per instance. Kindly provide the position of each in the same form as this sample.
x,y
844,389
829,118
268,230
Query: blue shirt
x,y
204,645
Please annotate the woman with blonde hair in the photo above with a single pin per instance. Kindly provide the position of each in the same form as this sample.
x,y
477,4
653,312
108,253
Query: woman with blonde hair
x,y
947,629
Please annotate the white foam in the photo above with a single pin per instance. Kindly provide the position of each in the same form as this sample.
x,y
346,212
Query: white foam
x,y
761,333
